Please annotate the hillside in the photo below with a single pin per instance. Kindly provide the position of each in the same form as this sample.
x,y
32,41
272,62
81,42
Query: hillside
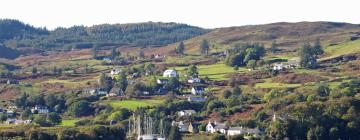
x,y
16,34
8,53
287,35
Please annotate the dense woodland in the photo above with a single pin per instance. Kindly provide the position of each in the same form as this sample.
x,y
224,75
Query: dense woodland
x,y
16,34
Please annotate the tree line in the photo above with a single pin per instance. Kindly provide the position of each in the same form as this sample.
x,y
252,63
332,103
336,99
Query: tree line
x,y
16,34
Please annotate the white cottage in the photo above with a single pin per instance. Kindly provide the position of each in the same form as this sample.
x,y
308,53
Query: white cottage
x,y
243,131
115,71
170,73
278,67
40,109
215,127
197,90
186,112
194,80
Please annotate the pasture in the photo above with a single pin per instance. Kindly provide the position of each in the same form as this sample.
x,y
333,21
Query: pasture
x,y
134,104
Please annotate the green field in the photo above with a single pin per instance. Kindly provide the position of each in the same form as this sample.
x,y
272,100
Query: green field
x,y
276,85
214,72
134,104
196,137
342,49
68,122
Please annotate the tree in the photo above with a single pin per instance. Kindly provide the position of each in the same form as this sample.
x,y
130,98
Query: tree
x,y
173,84
236,91
273,47
334,133
53,118
26,114
323,90
251,64
120,115
150,68
34,70
227,94
307,57
121,81
180,48
310,134
236,59
135,90
239,137
204,47
113,53
105,81
192,70
80,108
22,101
95,51
219,137
242,55
41,120
174,133
141,54
3,117
37,100
50,100
318,48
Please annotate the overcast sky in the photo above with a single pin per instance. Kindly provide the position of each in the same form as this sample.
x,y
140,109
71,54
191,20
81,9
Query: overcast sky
x,y
203,13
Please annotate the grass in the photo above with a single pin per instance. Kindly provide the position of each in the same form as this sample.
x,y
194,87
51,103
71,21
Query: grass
x,y
342,49
68,122
214,72
134,104
196,137
276,85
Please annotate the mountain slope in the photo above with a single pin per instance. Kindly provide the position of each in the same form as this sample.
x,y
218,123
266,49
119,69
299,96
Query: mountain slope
x,y
287,35
8,53
14,29
138,34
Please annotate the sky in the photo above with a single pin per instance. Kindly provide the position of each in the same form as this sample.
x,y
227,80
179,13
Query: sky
x,y
203,13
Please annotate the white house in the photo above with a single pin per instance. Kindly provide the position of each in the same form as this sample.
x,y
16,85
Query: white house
x,y
215,127
278,67
186,112
16,122
197,90
101,92
170,73
10,113
162,81
194,80
158,56
40,109
115,71
243,131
